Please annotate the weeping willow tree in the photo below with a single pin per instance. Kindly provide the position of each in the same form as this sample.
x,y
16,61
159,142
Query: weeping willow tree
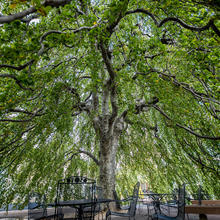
x,y
115,90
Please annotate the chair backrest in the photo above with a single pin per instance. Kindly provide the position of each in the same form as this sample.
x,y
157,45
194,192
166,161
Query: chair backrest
x,y
75,188
116,198
36,206
133,203
98,192
181,203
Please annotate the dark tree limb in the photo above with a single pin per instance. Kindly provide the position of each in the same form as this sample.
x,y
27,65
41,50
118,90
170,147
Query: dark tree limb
x,y
16,139
29,18
16,120
20,15
83,152
185,86
111,83
210,24
16,80
43,37
17,67
27,112
10,18
184,127
144,11
197,159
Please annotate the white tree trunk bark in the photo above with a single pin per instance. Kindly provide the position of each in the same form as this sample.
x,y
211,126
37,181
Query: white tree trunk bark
x,y
108,150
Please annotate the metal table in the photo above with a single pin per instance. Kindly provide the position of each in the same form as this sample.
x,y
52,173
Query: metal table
x,y
81,204
156,197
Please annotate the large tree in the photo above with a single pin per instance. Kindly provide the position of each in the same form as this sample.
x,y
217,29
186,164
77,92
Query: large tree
x,y
91,86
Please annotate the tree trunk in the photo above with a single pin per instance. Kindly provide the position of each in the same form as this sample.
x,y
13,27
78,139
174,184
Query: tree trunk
x,y
108,150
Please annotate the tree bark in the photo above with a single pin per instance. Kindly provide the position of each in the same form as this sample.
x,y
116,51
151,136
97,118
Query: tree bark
x,y
108,150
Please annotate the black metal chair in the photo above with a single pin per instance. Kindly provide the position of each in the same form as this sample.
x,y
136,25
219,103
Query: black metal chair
x,y
36,206
180,208
131,211
38,209
120,204
99,208
146,204
201,195
76,188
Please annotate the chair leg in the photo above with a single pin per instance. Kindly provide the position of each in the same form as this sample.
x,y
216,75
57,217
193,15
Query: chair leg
x,y
108,213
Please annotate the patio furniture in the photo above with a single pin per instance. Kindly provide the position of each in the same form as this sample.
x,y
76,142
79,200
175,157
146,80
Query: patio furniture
x,y
119,204
201,195
131,211
99,195
83,206
146,201
37,207
203,208
180,208
77,193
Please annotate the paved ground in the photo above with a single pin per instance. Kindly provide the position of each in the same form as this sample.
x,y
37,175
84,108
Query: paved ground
x,y
141,214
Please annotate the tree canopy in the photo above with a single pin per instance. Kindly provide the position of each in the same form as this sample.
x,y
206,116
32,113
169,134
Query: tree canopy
x,y
117,90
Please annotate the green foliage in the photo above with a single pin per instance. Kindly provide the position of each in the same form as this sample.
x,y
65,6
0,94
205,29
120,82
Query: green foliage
x,y
46,116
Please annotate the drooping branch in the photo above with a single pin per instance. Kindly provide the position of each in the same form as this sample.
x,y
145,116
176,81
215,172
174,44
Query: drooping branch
x,y
20,15
144,11
15,139
185,86
16,120
90,155
16,80
33,114
10,18
210,24
43,37
17,67
198,159
143,106
30,18
184,127
213,111
18,155
27,112
83,152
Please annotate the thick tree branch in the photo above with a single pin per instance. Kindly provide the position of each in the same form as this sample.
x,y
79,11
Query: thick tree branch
x,y
184,127
117,15
185,86
197,159
111,82
27,112
16,80
43,37
15,139
83,152
16,120
17,67
52,3
143,106
29,18
10,18
144,11
210,24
